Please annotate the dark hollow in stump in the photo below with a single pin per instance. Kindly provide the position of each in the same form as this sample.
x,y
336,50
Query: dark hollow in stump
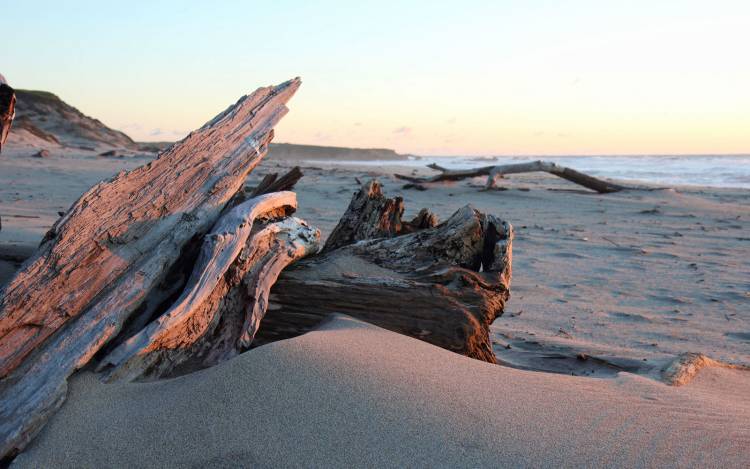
x,y
444,284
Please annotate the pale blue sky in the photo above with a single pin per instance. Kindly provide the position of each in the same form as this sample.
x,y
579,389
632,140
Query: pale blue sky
x,y
429,77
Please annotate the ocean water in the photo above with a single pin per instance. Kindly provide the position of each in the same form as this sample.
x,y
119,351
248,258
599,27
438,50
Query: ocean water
x,y
701,170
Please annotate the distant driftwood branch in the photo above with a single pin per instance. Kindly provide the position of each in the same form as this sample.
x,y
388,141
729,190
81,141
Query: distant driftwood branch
x,y
494,173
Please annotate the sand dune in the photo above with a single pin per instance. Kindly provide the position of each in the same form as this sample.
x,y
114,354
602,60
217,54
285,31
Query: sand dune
x,y
353,395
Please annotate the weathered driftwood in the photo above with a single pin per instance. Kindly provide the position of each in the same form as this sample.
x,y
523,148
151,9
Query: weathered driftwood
x,y
102,259
273,183
117,225
372,215
495,172
7,110
189,334
444,285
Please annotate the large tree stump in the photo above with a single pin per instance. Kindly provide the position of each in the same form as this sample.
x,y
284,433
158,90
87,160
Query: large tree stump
x,y
444,285
104,257
273,183
372,215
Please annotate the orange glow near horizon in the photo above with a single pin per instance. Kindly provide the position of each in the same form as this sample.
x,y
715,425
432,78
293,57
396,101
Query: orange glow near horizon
x,y
497,78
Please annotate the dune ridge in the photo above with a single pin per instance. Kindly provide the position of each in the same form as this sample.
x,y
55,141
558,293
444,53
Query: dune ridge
x,y
354,394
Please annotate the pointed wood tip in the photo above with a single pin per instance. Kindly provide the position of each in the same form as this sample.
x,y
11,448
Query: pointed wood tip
x,y
292,84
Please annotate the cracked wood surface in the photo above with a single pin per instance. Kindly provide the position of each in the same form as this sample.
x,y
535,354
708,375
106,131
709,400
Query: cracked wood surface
x,y
443,284
226,297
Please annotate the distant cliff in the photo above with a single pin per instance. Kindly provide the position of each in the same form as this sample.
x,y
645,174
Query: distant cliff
x,y
44,120
314,152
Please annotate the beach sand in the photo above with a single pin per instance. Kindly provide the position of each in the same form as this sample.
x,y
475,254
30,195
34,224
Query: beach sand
x,y
354,395
609,286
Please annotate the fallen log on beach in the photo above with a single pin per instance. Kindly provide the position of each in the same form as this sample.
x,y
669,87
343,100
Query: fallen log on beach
x,y
494,173
101,262
443,284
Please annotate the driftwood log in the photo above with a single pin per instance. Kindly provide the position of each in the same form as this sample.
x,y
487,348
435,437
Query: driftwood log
x,y
494,173
443,284
102,262
217,314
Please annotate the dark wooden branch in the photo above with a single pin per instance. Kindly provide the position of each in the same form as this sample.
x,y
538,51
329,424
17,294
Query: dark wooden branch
x,y
272,183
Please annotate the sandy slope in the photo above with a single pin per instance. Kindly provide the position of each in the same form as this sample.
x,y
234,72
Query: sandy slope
x,y
354,395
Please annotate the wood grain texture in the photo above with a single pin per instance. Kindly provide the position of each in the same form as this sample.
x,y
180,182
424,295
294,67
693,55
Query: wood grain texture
x,y
273,183
237,265
103,257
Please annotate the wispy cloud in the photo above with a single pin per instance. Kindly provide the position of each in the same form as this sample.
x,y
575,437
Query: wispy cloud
x,y
403,130
321,137
167,133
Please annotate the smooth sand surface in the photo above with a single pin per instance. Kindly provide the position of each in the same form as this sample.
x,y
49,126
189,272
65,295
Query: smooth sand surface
x,y
354,395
